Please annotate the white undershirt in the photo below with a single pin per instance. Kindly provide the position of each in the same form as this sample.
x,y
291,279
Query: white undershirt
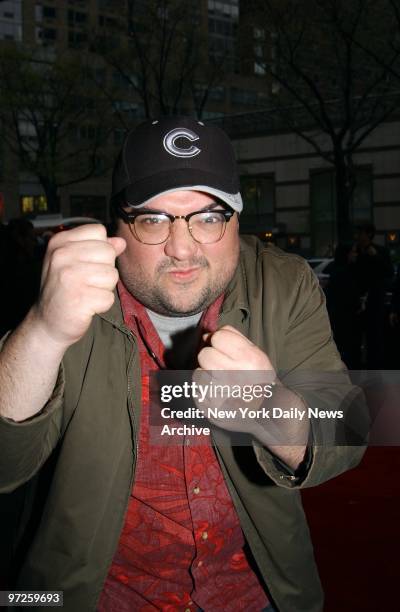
x,y
180,336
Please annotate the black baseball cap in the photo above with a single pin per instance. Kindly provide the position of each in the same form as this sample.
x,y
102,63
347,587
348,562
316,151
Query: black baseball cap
x,y
175,153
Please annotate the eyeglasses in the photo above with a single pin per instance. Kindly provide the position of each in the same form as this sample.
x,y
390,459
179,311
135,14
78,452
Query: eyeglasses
x,y
152,227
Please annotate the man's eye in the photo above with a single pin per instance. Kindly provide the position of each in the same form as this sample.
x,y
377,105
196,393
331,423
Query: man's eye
x,y
210,219
152,220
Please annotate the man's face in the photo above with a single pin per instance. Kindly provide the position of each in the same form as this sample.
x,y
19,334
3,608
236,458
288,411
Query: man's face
x,y
179,277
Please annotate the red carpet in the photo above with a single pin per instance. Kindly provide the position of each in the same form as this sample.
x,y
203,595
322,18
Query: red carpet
x,y
355,526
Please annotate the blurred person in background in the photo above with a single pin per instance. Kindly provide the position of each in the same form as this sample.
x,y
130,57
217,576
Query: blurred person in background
x,y
21,262
343,298
373,272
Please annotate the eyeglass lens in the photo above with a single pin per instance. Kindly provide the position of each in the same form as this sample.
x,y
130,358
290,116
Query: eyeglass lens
x,y
205,227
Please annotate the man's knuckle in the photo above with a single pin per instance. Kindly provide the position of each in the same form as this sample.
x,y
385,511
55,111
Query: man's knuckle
x,y
110,251
99,230
91,231
58,258
56,240
105,301
114,275
108,279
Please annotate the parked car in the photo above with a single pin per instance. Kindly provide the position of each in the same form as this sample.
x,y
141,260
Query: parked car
x,y
321,267
58,223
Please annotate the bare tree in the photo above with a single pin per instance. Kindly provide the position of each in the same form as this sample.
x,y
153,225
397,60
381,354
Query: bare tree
x,y
390,40
327,88
52,117
162,57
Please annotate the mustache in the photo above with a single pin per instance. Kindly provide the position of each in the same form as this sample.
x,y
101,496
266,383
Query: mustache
x,y
170,265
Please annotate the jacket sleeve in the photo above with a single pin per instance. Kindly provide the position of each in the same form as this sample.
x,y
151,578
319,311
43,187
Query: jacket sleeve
x,y
25,446
312,368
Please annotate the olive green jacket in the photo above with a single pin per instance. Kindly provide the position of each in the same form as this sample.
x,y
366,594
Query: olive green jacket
x,y
91,426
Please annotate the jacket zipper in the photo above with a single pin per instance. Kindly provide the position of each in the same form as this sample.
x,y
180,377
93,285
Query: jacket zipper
x,y
135,438
130,406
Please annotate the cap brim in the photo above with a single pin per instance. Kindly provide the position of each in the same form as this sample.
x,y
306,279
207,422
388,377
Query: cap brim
x,y
142,191
233,200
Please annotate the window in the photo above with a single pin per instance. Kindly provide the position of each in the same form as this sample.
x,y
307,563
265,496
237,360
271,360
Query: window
x,y
258,193
222,30
10,31
258,33
49,34
259,69
77,39
244,97
116,5
83,132
218,26
119,136
76,17
33,204
217,93
100,76
229,9
361,211
46,34
132,109
49,12
323,206
259,63
11,20
221,48
107,21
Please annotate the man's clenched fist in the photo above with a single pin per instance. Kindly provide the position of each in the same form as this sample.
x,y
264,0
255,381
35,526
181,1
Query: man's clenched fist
x,y
230,350
78,280
232,360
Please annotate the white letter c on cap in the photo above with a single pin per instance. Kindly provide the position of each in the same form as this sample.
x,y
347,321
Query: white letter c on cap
x,y
172,149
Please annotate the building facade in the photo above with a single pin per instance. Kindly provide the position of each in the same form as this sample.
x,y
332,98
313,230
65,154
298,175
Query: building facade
x,y
289,190
55,28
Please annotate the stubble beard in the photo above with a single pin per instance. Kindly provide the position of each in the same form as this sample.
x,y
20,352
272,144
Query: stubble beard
x,y
153,296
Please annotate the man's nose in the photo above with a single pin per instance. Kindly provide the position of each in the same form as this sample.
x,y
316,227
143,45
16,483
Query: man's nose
x,y
180,244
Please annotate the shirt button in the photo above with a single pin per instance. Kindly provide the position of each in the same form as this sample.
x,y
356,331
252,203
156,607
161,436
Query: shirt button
x,y
204,535
200,563
188,610
196,490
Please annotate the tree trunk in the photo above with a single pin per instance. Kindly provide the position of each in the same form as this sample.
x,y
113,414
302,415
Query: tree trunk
x,y
344,196
51,191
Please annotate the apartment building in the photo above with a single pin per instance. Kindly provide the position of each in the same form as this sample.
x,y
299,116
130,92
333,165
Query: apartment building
x,y
52,29
289,189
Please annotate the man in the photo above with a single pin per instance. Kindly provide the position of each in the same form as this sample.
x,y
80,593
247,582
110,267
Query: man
x,y
129,524
373,272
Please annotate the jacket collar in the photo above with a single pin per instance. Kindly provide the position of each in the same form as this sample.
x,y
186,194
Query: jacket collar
x,y
115,316
236,294
235,309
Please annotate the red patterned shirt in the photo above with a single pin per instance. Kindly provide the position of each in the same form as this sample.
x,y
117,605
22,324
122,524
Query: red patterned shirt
x,y
181,546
